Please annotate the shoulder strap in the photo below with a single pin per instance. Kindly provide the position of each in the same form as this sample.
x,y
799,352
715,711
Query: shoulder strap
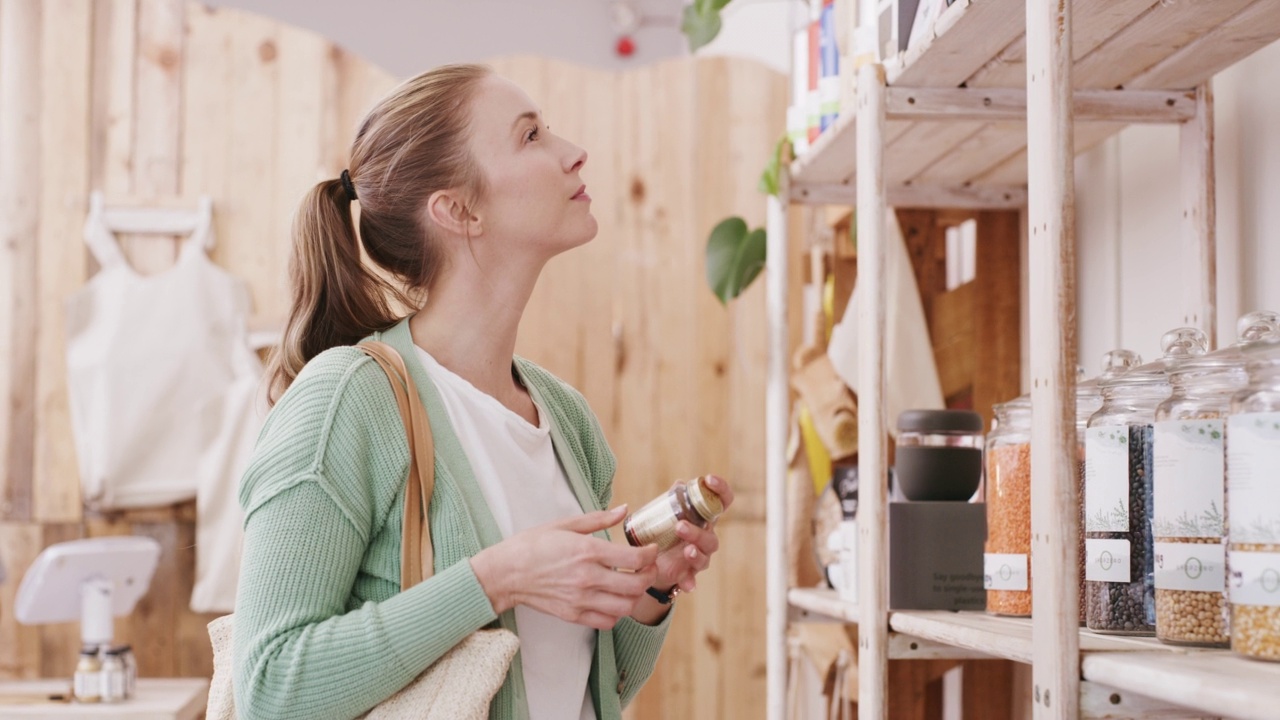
x,y
416,556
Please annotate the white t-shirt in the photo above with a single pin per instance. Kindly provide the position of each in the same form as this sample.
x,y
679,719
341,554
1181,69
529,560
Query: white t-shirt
x,y
525,485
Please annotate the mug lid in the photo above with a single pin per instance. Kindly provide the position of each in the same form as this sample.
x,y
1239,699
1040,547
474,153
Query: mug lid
x,y
933,421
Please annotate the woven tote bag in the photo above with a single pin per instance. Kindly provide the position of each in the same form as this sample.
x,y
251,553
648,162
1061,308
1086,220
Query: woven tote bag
x,y
462,683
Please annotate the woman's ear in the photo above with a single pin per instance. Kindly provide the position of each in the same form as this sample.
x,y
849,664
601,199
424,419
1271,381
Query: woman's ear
x,y
448,210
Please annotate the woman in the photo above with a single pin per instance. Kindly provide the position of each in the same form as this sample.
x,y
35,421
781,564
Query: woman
x,y
464,192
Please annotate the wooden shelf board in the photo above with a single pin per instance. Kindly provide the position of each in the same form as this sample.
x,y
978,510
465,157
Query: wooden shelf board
x,y
1135,44
1005,637
1218,683
823,602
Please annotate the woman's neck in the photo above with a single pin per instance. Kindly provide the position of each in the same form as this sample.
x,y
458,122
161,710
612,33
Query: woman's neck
x,y
470,324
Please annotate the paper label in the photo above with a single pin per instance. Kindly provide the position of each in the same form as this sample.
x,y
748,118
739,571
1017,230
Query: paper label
x,y
1188,478
1253,480
1106,479
1108,560
1190,566
1255,579
1004,571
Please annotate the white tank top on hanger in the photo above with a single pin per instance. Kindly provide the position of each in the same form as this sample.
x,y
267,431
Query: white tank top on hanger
x,y
152,362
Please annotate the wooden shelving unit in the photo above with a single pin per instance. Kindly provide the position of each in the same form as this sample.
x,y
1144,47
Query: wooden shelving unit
x,y
989,111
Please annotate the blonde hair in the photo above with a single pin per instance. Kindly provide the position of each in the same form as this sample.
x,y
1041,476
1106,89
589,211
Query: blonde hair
x,y
412,144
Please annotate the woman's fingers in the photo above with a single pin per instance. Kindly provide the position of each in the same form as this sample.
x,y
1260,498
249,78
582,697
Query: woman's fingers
x,y
704,540
721,487
625,557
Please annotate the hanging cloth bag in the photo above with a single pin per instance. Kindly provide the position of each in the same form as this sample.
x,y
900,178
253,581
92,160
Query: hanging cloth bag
x,y
150,361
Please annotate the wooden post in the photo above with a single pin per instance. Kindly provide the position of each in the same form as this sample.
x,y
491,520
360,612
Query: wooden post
x,y
873,485
19,226
1199,218
778,415
1054,495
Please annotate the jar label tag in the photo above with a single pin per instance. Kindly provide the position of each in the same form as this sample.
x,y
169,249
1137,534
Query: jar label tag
x,y
1108,560
1106,479
1188,478
1255,578
1252,458
1191,566
1004,571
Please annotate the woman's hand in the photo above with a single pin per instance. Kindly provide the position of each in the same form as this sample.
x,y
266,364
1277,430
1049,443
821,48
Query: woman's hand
x,y
562,570
679,566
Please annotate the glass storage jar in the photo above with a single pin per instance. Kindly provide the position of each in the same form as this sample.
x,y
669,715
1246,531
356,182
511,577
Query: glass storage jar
x,y
1119,583
1190,483
1007,558
1253,506
1088,402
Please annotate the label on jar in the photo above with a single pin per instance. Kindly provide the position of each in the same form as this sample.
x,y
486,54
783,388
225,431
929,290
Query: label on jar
x,y
1106,479
1108,560
1004,571
1191,566
1253,487
1255,578
1188,478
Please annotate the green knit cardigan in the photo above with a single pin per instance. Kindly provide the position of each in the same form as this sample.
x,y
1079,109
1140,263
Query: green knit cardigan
x,y
322,629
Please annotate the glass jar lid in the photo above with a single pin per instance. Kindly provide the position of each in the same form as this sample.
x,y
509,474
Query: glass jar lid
x,y
1088,396
1014,414
1124,368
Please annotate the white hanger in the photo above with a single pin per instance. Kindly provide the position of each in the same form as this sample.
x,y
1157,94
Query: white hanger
x,y
154,220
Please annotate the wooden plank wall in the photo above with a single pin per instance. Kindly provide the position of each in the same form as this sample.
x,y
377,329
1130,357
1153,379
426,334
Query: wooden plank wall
x,y
163,100
168,99
677,380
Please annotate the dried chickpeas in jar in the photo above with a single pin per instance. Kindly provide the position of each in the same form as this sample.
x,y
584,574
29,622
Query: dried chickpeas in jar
x,y
1253,507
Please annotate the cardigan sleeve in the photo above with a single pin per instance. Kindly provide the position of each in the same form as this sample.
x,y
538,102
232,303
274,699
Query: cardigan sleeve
x,y
326,470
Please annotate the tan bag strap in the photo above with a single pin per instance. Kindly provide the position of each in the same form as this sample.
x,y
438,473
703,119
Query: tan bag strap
x,y
416,557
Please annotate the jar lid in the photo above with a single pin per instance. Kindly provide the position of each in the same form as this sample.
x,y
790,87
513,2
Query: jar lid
x,y
940,421
704,499
1262,353
1125,368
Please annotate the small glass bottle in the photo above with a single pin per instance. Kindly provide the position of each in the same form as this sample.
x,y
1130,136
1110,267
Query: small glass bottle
x,y
1007,560
1253,507
655,523
113,676
130,671
87,683
1119,574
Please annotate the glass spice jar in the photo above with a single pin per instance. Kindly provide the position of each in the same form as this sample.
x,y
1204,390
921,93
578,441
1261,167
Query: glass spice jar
x,y
1007,557
655,523
1253,506
1119,582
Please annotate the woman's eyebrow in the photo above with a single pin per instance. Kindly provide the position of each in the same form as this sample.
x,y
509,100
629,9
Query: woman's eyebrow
x,y
529,115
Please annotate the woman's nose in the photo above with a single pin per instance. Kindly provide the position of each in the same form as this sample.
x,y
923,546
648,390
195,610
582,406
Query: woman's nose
x,y
577,158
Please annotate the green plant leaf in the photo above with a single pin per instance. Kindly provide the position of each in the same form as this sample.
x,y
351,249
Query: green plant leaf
x,y
701,24
735,257
769,182
718,4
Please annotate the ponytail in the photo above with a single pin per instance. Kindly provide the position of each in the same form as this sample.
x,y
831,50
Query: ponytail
x,y
337,300
413,143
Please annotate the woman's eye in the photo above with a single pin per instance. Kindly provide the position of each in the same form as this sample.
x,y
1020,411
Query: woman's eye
x,y
532,135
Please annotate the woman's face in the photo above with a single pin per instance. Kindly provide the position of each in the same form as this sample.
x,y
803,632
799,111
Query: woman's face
x,y
534,194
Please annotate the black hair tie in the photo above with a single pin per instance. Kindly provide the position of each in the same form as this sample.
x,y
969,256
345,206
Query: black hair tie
x,y
347,185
